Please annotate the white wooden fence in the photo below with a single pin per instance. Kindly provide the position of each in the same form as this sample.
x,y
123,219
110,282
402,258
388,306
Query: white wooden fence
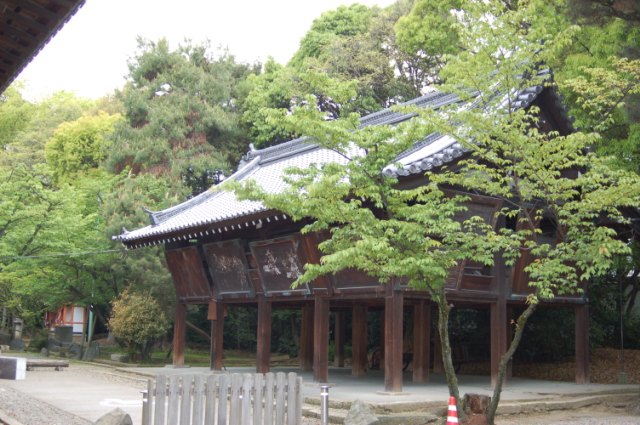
x,y
228,399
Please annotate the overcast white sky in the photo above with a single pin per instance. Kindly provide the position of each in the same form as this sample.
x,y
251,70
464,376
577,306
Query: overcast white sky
x,y
89,55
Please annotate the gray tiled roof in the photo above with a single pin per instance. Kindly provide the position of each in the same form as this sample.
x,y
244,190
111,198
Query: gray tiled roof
x,y
211,209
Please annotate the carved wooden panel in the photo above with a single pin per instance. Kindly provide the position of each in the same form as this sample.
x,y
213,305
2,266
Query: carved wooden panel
x,y
188,274
228,267
455,276
310,242
476,282
520,279
482,207
469,275
280,262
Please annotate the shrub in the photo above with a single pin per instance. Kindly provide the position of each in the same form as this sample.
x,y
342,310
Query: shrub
x,y
38,340
137,321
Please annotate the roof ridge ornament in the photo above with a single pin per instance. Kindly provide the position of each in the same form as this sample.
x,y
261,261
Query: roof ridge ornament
x,y
152,215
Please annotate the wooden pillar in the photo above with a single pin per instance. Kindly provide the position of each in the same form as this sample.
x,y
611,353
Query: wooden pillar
x,y
510,331
306,338
216,316
321,339
381,336
498,337
582,344
359,340
421,338
340,327
263,355
499,319
393,315
179,334
438,364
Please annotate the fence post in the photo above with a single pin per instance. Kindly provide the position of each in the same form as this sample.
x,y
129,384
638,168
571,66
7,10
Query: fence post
x,y
237,399
160,395
324,404
145,406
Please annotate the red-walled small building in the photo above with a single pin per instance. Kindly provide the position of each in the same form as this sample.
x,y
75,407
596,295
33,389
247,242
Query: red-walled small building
x,y
68,315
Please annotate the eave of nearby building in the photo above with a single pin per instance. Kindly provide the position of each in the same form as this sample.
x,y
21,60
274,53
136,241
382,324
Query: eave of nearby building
x,y
216,211
26,26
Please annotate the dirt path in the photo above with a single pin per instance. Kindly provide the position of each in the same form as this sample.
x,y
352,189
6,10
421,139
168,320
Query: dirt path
x,y
623,414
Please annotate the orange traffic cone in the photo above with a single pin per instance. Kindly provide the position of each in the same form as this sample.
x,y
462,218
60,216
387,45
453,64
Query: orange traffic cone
x,y
452,414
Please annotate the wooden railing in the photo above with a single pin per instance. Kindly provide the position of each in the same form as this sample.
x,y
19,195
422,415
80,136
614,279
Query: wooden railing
x,y
227,399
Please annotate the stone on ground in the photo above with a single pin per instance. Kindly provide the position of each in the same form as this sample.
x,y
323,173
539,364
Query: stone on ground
x,y
116,417
360,414
475,406
16,345
122,358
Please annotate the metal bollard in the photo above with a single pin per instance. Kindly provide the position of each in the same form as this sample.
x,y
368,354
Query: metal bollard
x,y
145,407
324,404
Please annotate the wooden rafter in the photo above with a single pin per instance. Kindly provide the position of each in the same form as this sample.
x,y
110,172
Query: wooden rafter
x,y
25,27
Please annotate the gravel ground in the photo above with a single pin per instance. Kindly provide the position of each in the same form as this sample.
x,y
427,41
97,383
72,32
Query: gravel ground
x,y
23,401
31,411
28,410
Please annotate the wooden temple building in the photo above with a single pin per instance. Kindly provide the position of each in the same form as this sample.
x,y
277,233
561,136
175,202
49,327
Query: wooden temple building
x,y
224,252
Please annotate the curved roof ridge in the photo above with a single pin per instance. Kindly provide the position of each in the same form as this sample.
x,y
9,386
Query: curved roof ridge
x,y
281,149
434,98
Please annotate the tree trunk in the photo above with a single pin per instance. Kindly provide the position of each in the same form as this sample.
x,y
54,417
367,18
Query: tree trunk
x,y
504,361
4,317
443,329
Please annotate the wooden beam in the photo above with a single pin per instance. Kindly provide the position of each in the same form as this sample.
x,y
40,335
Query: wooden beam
x,y
179,334
498,337
421,339
306,338
340,328
321,339
199,331
17,19
359,340
582,344
263,355
393,315
216,316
